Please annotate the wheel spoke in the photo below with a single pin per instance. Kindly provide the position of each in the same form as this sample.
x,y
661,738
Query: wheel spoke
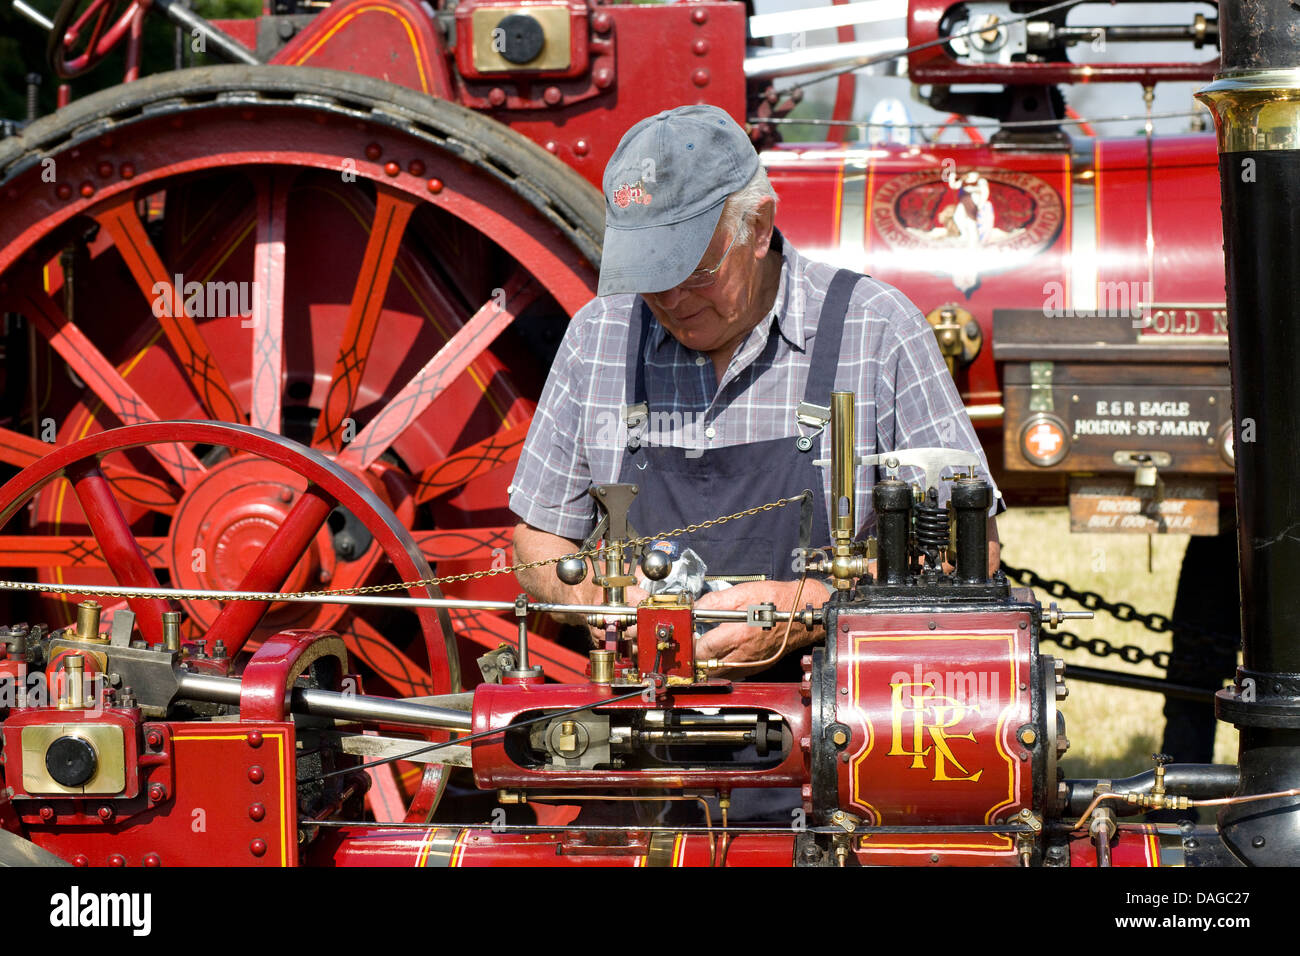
x,y
140,489
121,551
488,630
268,302
119,218
63,551
404,676
471,544
237,620
392,212
93,368
483,457
492,318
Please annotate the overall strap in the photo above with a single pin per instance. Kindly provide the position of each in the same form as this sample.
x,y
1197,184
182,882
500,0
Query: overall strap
x,y
830,336
815,410
637,407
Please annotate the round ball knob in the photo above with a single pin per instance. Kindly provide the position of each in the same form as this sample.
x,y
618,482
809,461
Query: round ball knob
x,y
656,565
571,570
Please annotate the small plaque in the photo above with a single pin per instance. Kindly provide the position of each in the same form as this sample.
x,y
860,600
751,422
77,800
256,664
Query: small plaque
x,y
1109,504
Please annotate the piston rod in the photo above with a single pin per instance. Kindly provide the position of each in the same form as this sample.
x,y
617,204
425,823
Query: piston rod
x,y
328,703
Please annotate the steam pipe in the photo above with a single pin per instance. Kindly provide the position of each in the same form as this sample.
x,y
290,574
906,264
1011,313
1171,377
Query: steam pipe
x,y
1255,99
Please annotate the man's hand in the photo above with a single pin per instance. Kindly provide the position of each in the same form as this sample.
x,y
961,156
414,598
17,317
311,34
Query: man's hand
x,y
734,642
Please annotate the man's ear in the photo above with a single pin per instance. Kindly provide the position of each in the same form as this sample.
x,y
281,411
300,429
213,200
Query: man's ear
x,y
764,219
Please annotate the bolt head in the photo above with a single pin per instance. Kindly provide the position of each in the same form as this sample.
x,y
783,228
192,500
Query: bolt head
x,y
256,774
157,792
257,847
257,812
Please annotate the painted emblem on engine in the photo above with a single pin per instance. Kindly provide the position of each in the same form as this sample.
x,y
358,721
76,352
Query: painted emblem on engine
x,y
980,221
924,724
625,195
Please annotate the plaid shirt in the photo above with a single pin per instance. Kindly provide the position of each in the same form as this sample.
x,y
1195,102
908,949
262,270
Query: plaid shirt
x,y
888,358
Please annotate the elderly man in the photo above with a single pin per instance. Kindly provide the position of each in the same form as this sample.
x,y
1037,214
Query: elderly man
x,y
685,375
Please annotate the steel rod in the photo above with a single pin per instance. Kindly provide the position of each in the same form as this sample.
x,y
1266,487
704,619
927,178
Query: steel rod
x,y
326,703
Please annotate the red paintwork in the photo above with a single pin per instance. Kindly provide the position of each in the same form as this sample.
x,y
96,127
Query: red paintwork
x,y
1135,845
496,705
479,846
213,809
933,716
678,660
1187,266
268,677
694,51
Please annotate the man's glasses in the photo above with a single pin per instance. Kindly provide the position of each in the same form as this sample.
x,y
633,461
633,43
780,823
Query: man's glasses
x,y
703,277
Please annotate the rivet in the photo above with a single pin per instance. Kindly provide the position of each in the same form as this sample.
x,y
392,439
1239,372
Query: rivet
x,y
700,16
105,813
257,847
391,168
286,495
1257,842
63,190
81,860
254,738
844,758
117,859
435,185
1024,756
415,167
601,22
603,77
324,576
934,857
496,96
256,773
844,690
105,169
157,792
87,189
552,95
700,77
1023,625
1024,686
700,47
47,813
933,625
552,146
582,147
373,151
844,626
256,812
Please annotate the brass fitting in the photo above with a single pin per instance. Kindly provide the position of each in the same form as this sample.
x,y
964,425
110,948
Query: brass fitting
x,y
74,669
88,622
171,621
602,666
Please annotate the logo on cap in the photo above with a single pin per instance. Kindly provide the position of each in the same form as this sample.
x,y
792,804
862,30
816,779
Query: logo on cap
x,y
626,195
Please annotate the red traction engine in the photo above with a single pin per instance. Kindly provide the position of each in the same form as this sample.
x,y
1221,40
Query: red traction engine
x,y
924,730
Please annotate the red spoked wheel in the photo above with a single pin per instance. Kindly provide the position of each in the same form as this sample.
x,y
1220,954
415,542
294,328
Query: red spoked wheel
x,y
311,488
400,268
79,41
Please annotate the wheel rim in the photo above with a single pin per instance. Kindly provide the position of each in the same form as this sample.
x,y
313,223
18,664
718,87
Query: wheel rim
x,y
430,437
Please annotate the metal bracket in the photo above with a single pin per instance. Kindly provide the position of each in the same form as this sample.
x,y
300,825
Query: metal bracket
x,y
634,416
760,615
816,417
1040,387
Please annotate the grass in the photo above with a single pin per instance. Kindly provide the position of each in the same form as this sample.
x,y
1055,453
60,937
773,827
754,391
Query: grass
x,y
1112,731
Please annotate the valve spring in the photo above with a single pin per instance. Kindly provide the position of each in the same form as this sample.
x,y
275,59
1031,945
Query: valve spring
x,y
931,528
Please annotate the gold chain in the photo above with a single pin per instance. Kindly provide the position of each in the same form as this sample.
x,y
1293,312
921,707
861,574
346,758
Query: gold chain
x,y
423,582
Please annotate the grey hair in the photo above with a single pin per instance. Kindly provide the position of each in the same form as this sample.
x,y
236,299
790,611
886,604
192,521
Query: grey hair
x,y
741,206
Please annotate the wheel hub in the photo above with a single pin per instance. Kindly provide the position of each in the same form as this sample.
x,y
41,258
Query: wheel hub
x,y
225,522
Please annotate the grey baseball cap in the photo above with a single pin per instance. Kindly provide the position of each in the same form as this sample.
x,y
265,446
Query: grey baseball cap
x,y
664,189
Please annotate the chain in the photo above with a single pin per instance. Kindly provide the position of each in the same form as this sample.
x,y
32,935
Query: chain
x,y
423,582
1123,611
1100,647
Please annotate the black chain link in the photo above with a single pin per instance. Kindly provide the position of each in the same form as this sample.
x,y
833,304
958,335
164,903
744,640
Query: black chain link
x,y
1100,647
1205,640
